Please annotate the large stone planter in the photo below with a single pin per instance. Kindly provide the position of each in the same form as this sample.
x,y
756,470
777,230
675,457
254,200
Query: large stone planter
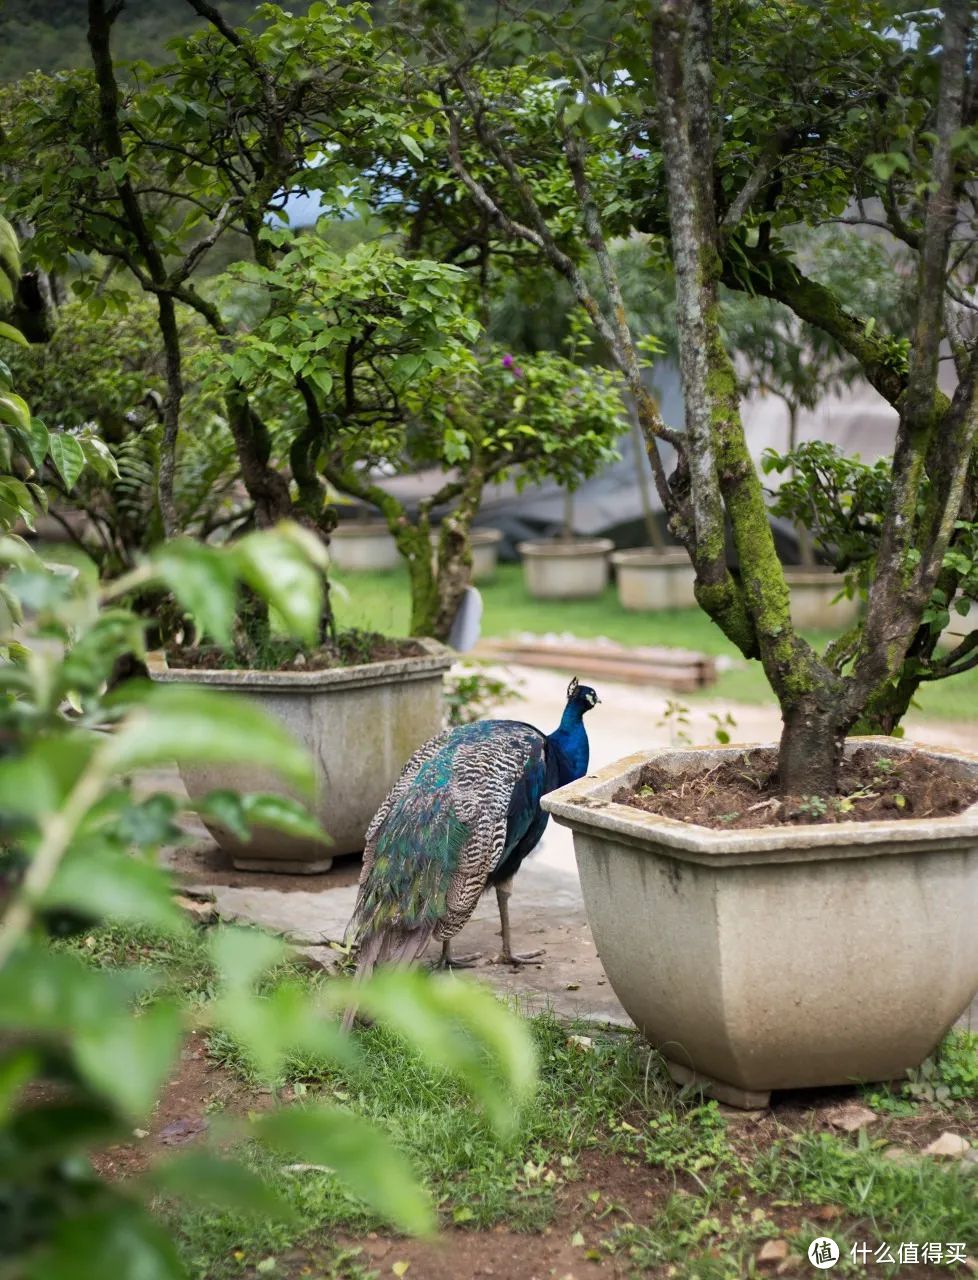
x,y
650,579
566,570
779,957
359,723
812,594
361,545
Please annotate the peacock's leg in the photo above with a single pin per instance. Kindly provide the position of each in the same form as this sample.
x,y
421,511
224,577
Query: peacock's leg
x,y
448,961
507,955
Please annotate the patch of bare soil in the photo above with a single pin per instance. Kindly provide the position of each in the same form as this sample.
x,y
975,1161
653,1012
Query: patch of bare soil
x,y
350,649
198,1088
743,792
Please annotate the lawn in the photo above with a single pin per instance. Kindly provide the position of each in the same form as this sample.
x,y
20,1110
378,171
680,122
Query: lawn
x,y
380,601
612,1172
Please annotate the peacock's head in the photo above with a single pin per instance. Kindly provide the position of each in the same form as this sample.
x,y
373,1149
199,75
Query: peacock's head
x,y
581,695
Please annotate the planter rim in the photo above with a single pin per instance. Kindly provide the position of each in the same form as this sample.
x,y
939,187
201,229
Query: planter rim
x,y
361,529
799,574
477,537
436,658
486,535
650,557
566,550
586,806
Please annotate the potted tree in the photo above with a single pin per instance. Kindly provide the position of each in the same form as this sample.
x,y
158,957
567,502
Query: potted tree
x,y
486,417
714,180
130,206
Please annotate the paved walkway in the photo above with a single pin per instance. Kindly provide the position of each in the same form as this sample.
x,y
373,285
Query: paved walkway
x,y
546,908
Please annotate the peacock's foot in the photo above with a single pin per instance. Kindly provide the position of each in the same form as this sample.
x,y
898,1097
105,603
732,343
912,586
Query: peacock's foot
x,y
516,958
447,962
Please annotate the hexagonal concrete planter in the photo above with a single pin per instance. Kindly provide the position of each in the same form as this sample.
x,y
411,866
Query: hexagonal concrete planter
x,y
651,579
575,570
779,957
360,724
813,600
359,545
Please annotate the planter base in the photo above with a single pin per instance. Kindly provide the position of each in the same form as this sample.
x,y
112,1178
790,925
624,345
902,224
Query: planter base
x,y
282,866
731,1094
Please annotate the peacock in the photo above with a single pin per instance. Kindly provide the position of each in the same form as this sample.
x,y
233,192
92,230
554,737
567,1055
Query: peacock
x,y
462,816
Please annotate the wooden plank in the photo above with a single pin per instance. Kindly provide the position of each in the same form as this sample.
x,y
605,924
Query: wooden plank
x,y
627,665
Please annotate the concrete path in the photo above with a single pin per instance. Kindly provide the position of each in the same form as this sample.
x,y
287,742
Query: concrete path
x,y
546,907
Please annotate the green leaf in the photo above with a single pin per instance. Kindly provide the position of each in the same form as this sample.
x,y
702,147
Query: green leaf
x,y
52,992
286,1020
362,1157
35,441
15,495
123,1242
35,784
128,1058
225,1183
68,457
203,580
284,814
99,457
13,335
241,956
461,1027
191,726
225,808
320,378
411,146
14,410
115,886
16,1069
279,565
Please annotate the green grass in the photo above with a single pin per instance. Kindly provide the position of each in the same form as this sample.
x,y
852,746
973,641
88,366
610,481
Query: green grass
x,y
722,1191
380,601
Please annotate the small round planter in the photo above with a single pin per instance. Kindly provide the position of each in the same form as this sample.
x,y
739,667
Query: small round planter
x,y
650,579
566,570
485,553
360,725
959,626
363,545
813,600
779,957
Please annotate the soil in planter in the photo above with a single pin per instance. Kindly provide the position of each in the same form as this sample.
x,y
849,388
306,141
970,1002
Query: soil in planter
x,y
351,649
743,792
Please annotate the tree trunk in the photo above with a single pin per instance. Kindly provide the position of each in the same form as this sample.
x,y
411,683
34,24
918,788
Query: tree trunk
x,y
453,574
811,747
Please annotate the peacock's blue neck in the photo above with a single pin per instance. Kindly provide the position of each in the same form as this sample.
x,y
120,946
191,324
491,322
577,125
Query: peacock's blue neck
x,y
570,739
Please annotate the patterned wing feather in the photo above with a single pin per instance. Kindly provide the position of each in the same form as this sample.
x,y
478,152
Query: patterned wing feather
x,y
437,838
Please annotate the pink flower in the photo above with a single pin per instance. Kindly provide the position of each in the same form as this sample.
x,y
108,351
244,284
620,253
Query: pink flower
x,y
507,361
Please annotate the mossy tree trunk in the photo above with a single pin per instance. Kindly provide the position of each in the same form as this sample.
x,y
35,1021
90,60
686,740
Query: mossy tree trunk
x,y
819,705
864,681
